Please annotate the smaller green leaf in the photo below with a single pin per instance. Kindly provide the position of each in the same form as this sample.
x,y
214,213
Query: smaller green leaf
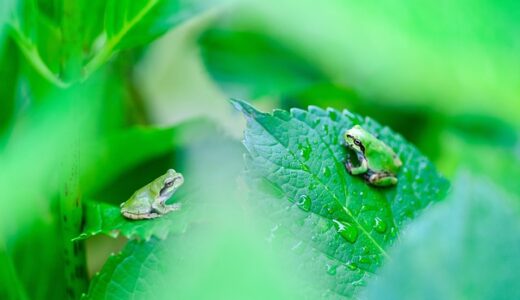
x,y
103,218
112,157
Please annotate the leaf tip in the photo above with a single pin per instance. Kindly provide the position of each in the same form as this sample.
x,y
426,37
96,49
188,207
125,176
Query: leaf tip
x,y
244,107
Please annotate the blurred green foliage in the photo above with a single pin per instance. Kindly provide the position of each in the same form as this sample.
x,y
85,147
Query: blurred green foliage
x,y
465,248
98,97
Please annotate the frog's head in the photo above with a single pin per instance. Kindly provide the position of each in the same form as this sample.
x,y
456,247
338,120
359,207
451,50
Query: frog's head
x,y
356,138
171,181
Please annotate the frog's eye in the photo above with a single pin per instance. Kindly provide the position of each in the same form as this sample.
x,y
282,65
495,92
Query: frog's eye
x,y
169,183
358,143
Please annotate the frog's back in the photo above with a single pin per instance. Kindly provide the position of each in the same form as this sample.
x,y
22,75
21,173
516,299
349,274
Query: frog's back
x,y
380,161
140,199
144,193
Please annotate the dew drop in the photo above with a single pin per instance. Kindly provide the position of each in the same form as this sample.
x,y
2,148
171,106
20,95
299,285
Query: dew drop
x,y
305,152
393,232
347,231
304,203
365,260
379,225
326,171
331,269
352,266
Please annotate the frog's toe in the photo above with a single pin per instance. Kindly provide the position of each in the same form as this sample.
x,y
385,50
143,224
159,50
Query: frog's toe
x,y
173,207
382,179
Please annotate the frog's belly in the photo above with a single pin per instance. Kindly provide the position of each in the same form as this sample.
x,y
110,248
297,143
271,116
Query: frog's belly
x,y
139,216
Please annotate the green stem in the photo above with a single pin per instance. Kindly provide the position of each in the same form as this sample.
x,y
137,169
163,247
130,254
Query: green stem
x,y
33,56
108,48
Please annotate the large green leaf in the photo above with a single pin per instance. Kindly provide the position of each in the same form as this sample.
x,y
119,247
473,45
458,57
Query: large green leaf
x,y
347,224
465,248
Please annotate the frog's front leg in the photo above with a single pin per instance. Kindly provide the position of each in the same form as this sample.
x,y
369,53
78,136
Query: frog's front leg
x,y
362,168
172,207
381,179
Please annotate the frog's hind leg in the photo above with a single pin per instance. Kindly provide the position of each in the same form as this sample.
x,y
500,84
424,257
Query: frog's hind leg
x,y
380,179
162,208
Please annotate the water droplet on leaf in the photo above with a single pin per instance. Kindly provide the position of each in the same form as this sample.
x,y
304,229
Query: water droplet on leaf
x,y
304,203
352,266
326,171
365,260
331,269
305,152
393,232
379,225
347,231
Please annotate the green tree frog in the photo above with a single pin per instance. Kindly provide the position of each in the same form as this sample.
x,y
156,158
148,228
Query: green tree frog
x,y
148,202
378,163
